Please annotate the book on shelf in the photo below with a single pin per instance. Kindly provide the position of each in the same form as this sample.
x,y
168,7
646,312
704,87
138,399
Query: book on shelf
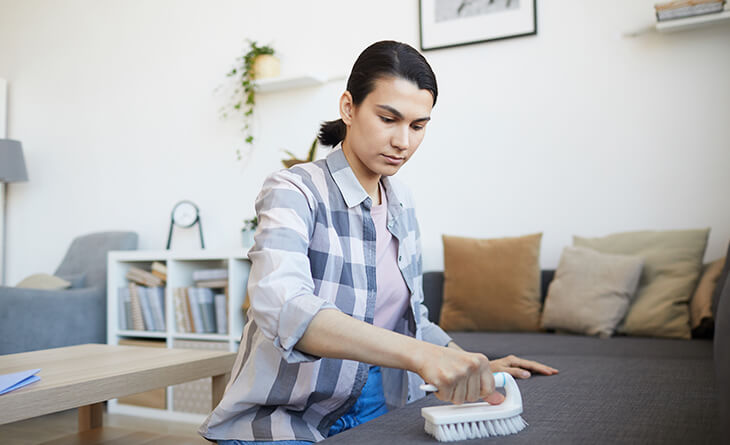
x,y
141,308
213,284
159,270
143,277
210,274
201,311
679,9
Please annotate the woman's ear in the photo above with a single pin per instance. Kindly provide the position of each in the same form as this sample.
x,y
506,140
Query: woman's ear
x,y
347,106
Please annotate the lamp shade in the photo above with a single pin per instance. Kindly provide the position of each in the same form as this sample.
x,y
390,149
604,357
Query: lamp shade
x,y
12,163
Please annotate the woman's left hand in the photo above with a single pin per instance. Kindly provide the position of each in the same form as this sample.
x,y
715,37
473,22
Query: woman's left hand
x,y
518,368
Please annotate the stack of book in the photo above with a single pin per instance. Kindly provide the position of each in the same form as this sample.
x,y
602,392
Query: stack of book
x,y
142,301
679,9
212,278
200,310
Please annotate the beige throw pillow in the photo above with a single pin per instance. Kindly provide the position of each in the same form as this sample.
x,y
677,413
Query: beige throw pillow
x,y
491,284
672,266
44,281
591,291
700,306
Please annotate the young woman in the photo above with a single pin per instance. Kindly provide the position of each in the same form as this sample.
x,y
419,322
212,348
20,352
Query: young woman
x,y
337,331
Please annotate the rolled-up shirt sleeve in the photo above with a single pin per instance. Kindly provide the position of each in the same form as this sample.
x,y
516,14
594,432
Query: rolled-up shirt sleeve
x,y
280,285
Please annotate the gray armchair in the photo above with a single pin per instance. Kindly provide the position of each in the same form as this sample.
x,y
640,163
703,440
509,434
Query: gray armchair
x,y
32,319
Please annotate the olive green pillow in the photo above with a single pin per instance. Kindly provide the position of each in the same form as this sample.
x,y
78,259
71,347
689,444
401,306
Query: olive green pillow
x,y
491,284
672,267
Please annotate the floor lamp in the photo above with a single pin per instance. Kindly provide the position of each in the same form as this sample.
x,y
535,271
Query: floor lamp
x,y
12,169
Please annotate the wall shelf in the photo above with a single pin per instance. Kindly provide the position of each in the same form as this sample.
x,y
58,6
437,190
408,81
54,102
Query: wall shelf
x,y
684,24
275,84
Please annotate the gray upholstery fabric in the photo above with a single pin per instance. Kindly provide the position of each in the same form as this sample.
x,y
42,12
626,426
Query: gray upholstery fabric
x,y
32,319
621,390
594,400
88,254
722,356
495,345
77,280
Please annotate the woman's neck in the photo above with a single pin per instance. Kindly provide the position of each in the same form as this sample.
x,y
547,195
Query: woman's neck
x,y
368,180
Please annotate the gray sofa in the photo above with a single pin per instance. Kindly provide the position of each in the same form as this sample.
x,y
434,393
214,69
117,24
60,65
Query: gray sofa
x,y
622,390
32,319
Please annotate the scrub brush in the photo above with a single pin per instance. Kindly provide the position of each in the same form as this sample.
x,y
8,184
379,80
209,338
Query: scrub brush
x,y
477,420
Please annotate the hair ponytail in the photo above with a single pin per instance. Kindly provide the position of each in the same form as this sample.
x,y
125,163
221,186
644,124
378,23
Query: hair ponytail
x,y
380,60
332,132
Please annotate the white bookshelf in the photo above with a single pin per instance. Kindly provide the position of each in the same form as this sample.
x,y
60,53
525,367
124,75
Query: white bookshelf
x,y
180,267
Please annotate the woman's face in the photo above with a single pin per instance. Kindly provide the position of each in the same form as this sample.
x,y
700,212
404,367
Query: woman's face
x,y
385,130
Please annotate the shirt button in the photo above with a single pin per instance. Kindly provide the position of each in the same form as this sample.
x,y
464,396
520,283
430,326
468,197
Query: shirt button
x,y
400,258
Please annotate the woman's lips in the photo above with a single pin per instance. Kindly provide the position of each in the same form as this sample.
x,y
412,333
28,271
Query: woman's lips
x,y
394,160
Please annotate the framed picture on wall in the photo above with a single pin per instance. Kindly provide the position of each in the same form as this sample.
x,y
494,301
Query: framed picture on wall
x,y
448,23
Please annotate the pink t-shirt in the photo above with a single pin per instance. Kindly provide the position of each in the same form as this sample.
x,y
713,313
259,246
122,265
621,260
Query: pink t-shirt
x,y
393,294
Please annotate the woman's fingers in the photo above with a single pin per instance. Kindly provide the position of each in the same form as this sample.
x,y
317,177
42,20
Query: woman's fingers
x,y
520,368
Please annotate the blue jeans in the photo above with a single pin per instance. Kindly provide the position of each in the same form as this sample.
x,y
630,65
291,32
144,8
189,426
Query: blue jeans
x,y
368,406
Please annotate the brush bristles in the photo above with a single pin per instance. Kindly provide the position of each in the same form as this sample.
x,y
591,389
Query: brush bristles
x,y
476,430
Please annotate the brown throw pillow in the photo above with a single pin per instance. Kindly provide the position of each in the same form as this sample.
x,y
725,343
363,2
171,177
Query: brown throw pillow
x,y
491,284
591,291
672,266
700,306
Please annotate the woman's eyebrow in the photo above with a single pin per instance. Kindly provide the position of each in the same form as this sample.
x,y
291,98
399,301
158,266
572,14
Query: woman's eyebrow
x,y
399,115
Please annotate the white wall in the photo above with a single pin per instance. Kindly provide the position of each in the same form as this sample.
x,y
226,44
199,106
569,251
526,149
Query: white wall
x,y
572,131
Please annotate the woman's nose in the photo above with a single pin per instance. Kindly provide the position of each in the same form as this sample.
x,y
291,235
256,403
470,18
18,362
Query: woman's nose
x,y
400,138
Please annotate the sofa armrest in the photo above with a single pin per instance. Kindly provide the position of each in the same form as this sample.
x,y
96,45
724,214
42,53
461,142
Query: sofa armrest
x,y
32,319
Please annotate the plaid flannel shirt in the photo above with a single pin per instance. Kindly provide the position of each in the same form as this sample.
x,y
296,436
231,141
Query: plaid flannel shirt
x,y
315,249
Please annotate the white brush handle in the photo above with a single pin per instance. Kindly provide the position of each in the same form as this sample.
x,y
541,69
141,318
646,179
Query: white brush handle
x,y
500,380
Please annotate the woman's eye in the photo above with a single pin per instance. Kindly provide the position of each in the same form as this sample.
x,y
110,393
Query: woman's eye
x,y
417,127
387,120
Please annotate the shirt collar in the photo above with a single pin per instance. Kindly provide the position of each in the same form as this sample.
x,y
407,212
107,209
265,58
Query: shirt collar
x,y
351,189
345,178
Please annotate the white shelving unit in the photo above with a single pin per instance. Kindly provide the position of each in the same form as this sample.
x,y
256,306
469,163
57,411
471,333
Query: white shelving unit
x,y
684,24
275,84
180,267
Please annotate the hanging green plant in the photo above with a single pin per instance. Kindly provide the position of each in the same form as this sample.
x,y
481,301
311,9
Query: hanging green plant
x,y
244,95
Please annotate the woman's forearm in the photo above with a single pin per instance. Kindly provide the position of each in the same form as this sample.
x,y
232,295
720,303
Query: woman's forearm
x,y
334,334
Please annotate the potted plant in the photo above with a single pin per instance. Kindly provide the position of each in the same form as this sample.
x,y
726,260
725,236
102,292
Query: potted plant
x,y
294,161
259,62
249,228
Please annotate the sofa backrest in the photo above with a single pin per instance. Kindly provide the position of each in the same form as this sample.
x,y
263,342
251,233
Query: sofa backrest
x,y
722,353
433,291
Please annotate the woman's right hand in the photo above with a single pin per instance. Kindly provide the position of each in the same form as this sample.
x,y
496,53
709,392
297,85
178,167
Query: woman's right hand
x,y
460,376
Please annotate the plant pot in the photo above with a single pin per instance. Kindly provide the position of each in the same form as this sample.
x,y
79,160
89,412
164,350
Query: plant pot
x,y
266,65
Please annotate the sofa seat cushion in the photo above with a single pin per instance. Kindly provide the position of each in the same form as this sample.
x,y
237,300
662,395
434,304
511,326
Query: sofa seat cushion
x,y
594,399
495,345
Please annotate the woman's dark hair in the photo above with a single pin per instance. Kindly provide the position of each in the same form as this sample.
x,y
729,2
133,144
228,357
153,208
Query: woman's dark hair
x,y
379,60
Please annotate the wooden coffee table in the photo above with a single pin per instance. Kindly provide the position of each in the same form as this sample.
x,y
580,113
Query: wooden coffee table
x,y
84,376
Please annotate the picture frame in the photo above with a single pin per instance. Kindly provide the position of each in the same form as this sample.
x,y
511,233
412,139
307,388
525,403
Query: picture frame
x,y
451,23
